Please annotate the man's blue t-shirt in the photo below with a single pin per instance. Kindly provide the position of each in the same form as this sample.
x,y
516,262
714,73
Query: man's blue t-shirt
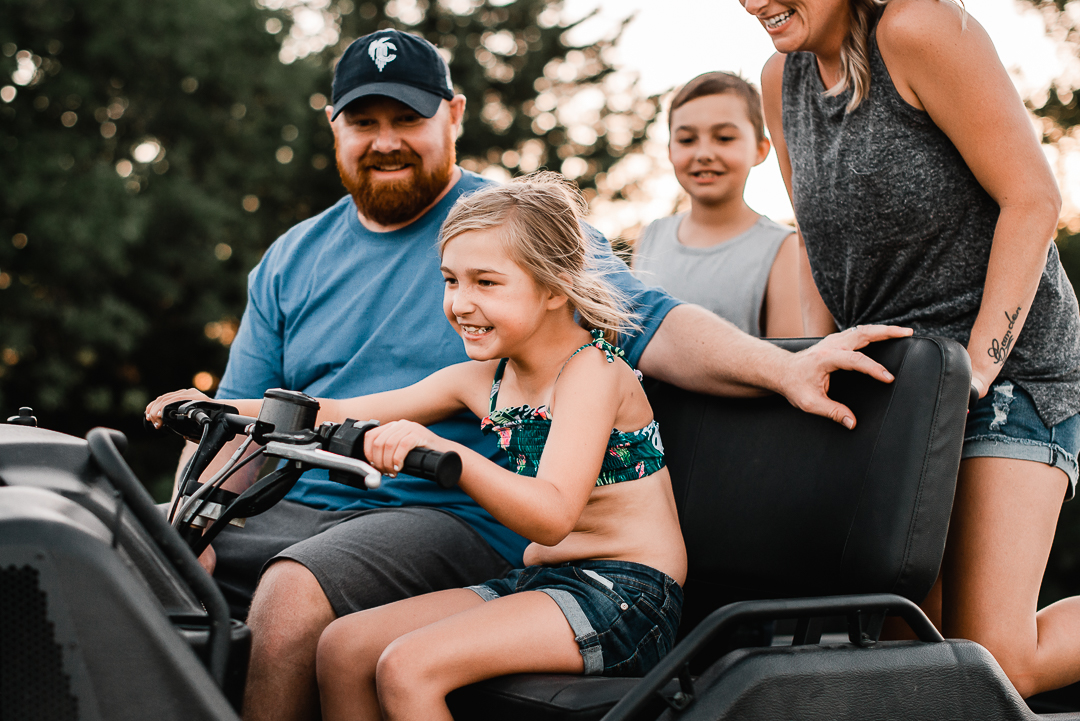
x,y
337,311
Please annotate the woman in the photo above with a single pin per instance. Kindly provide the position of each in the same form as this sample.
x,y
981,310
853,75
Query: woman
x,y
924,199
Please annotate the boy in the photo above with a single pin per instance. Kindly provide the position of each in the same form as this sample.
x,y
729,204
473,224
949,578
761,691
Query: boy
x,y
721,254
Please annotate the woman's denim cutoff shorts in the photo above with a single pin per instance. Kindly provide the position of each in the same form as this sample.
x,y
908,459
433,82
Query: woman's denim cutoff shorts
x,y
624,615
1005,424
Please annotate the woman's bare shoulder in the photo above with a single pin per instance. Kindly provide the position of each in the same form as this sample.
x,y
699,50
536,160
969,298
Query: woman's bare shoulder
x,y
772,73
914,25
933,50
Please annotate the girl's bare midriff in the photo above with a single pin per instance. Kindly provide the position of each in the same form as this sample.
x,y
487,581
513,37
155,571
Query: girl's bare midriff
x,y
630,521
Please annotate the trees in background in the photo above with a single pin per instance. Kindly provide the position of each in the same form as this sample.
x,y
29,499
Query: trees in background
x,y
1060,114
150,152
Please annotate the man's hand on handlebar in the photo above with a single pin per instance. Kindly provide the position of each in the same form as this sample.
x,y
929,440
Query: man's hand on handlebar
x,y
156,407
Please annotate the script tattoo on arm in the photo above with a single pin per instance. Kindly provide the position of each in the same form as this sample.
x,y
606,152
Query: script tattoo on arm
x,y
999,350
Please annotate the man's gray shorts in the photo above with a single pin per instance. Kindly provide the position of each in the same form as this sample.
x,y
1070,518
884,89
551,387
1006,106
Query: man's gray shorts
x,y
362,559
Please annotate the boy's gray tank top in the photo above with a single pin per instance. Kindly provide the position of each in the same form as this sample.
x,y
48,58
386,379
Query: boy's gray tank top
x,y
729,278
898,230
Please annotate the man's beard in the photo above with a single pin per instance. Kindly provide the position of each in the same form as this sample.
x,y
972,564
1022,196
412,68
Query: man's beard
x,y
396,201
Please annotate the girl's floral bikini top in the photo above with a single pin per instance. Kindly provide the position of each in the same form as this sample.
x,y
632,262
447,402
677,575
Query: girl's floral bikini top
x,y
523,431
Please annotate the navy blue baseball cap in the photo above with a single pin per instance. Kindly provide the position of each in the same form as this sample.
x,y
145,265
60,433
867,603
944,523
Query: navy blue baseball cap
x,y
394,64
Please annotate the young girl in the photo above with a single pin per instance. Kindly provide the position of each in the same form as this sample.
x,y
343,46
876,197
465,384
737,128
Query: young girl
x,y
721,254
600,592
924,200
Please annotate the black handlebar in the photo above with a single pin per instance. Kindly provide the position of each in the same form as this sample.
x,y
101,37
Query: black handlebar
x,y
188,418
348,440
442,467
285,429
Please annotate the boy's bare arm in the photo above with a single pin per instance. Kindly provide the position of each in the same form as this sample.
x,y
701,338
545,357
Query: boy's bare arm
x,y
781,310
817,320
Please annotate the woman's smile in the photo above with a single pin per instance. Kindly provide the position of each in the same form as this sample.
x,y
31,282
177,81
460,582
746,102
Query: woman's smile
x,y
777,21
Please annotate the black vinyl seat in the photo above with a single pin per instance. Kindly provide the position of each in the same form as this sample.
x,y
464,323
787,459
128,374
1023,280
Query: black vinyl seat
x,y
778,504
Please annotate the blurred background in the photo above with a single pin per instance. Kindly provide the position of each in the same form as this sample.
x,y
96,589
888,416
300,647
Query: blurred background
x,y
151,152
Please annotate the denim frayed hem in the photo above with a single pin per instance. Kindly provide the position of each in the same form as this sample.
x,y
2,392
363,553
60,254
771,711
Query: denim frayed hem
x,y
483,592
1023,449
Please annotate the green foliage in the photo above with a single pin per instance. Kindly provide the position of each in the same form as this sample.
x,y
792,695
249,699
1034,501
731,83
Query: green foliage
x,y
1062,112
115,260
152,151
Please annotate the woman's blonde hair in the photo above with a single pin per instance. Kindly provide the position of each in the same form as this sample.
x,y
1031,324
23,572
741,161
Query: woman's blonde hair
x,y
855,50
540,219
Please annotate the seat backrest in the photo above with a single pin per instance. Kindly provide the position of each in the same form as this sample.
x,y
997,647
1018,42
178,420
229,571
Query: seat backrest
x,y
775,502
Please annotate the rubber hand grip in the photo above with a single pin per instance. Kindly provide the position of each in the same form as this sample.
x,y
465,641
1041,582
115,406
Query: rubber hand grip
x,y
443,468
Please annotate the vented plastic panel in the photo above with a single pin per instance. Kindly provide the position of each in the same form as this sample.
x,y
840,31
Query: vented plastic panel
x,y
33,684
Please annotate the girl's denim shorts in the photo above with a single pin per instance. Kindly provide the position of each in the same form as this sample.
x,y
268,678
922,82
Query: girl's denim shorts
x,y
1005,424
624,615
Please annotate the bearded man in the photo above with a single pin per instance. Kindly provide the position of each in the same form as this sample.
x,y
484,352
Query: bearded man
x,y
349,303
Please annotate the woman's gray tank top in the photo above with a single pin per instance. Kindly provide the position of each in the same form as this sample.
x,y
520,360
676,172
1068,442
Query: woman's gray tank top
x,y
898,230
729,278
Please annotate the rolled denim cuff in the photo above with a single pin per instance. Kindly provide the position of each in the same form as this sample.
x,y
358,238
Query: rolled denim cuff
x,y
584,633
999,446
483,592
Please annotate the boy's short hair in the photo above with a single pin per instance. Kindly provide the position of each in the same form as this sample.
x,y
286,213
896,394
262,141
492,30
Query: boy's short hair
x,y
718,83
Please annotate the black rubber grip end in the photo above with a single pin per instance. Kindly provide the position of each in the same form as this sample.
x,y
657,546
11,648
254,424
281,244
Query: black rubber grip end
x,y
443,468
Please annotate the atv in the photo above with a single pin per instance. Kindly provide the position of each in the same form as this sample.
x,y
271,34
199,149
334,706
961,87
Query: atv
x,y
802,537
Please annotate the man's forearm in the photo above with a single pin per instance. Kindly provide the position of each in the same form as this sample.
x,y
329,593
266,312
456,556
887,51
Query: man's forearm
x,y
700,351
238,482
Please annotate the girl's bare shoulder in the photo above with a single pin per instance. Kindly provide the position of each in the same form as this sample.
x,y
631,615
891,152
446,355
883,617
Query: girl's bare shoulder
x,y
590,375
473,380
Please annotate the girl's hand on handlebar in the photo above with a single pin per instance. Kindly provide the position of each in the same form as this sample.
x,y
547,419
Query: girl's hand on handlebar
x,y
385,447
157,407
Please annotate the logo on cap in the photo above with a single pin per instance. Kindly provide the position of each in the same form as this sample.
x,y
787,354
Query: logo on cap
x,y
379,50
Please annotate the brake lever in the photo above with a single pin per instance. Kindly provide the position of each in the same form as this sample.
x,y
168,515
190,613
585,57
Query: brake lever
x,y
312,454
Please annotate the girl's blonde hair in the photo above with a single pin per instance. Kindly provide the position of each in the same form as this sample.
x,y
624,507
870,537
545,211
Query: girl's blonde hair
x,y
855,50
540,219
